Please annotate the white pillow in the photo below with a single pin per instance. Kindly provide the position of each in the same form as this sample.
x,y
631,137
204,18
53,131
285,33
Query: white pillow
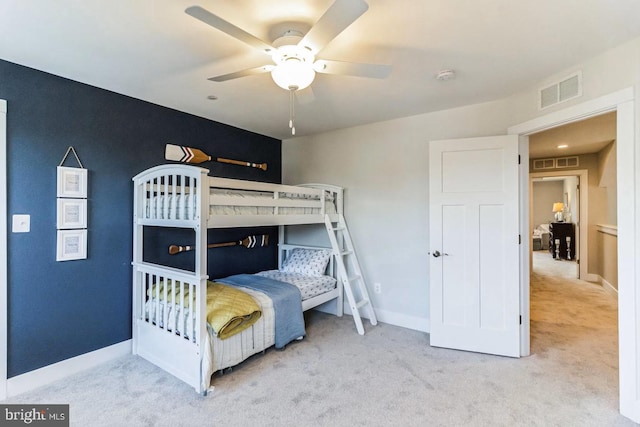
x,y
309,262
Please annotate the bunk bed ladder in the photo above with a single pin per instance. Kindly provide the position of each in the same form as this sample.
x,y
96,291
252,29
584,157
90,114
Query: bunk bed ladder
x,y
345,256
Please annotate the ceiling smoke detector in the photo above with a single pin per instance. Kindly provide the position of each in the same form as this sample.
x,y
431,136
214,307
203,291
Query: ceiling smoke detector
x,y
446,75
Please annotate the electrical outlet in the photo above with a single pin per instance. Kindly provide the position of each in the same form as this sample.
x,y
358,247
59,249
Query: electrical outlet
x,y
377,288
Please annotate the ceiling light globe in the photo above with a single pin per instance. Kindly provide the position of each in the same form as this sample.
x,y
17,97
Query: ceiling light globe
x,y
293,74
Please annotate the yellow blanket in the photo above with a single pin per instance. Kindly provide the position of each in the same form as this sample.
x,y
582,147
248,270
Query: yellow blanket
x,y
229,310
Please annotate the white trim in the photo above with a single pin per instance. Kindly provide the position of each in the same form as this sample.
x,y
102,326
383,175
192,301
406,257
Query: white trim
x,y
628,164
57,371
611,290
405,321
607,229
583,174
592,277
574,113
389,317
525,248
3,250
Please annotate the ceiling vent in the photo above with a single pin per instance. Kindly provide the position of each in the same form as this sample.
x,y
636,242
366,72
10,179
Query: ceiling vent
x,y
564,90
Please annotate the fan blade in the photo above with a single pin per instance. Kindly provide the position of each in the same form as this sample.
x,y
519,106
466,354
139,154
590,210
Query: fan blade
x,y
305,96
339,16
228,28
243,73
376,71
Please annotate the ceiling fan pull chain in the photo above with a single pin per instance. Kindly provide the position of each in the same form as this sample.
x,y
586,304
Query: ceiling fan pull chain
x,y
292,112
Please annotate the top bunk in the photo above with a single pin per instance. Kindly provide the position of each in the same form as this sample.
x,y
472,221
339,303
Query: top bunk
x,y
178,195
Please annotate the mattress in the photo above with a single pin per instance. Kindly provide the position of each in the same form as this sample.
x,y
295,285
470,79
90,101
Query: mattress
x,y
235,349
230,209
230,351
309,286
182,208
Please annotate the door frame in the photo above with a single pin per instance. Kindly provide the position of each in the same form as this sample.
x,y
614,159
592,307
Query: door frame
x,y
624,103
3,250
583,174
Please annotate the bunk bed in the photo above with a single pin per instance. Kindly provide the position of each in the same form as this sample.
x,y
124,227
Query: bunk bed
x,y
176,336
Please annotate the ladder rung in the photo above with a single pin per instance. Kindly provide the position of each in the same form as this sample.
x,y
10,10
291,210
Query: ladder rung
x,y
346,253
354,278
362,303
339,228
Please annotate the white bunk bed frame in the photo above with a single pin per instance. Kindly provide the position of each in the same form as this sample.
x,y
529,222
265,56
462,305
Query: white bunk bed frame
x,y
164,197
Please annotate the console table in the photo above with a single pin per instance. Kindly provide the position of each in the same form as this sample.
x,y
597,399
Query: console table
x,y
562,231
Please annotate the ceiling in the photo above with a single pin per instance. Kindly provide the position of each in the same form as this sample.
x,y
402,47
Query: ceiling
x,y
583,137
152,50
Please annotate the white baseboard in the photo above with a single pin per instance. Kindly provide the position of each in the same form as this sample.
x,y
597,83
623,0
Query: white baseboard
x,y
402,320
607,286
48,374
388,317
591,277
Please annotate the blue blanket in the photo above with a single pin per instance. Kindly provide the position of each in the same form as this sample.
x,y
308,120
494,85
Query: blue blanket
x,y
287,304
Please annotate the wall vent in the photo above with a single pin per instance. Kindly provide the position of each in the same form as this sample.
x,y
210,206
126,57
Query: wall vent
x,y
556,163
567,162
568,88
544,164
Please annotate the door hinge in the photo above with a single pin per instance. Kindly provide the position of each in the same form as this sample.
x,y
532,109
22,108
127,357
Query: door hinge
x,y
519,239
521,319
519,159
578,261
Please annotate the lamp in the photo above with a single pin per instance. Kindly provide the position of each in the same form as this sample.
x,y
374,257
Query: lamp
x,y
558,209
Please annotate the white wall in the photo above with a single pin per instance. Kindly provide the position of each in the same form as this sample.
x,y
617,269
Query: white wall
x,y
383,167
614,70
393,241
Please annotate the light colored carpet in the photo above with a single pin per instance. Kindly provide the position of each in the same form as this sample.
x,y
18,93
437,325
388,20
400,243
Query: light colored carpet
x,y
389,377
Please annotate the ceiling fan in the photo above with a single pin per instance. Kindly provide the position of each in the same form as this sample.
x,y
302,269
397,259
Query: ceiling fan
x,y
294,54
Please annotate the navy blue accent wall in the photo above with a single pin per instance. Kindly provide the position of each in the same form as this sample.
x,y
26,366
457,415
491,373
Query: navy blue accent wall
x,y
59,310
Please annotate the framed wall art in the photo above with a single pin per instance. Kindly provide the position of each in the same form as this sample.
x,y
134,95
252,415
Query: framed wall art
x,y
72,244
72,182
71,213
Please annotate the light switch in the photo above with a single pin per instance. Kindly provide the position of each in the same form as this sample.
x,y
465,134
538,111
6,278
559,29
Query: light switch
x,y
21,224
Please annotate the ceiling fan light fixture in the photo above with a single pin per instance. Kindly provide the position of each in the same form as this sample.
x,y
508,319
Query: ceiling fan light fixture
x,y
293,74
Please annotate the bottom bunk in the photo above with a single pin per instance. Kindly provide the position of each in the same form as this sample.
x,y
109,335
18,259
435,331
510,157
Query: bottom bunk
x,y
196,334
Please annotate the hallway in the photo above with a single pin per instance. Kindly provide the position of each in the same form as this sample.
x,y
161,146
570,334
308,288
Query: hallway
x,y
575,321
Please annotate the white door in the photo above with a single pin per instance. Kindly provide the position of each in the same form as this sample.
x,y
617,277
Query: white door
x,y
474,245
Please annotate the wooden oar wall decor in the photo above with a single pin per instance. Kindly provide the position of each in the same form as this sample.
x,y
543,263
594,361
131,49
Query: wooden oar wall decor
x,y
248,242
180,153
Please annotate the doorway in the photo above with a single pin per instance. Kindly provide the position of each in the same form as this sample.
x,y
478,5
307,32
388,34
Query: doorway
x,y
623,103
582,150
577,214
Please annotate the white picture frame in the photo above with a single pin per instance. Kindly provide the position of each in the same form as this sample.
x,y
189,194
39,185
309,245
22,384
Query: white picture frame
x,y
72,182
72,244
71,213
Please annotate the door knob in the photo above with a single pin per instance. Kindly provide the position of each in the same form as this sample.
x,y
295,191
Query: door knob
x,y
436,254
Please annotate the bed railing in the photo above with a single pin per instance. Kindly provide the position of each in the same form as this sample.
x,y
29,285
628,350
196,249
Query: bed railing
x,y
169,300
169,307
169,195
173,195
